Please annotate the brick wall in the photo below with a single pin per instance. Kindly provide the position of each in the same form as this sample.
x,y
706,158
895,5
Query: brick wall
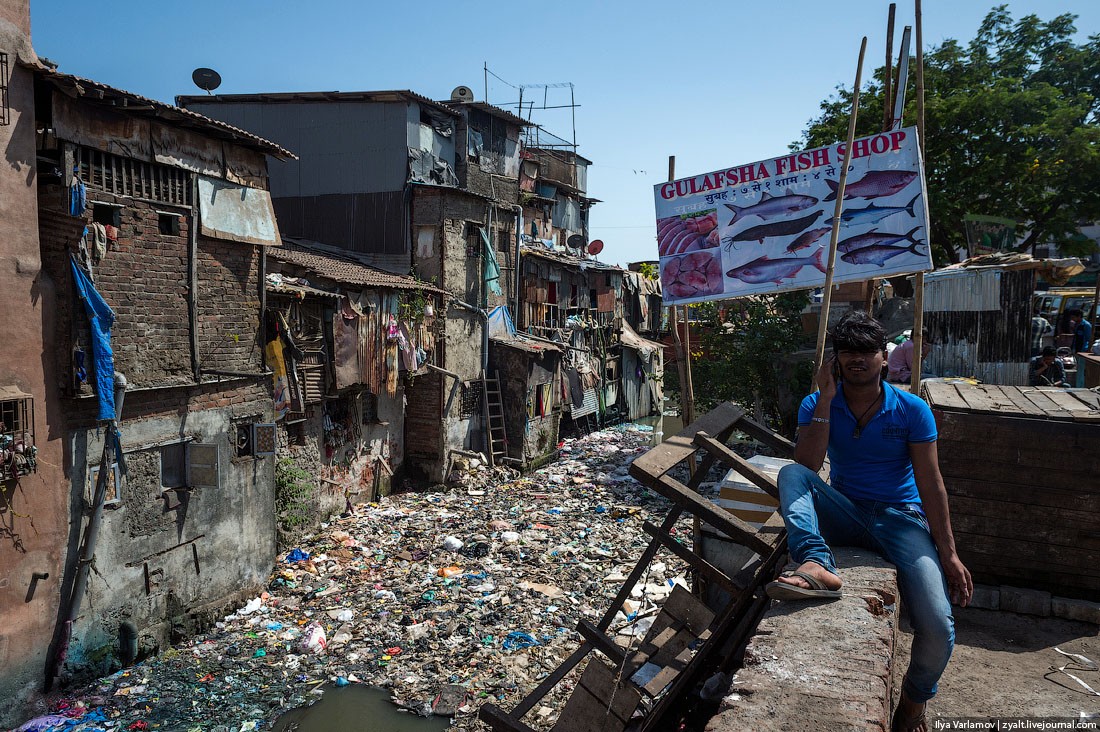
x,y
144,278
229,306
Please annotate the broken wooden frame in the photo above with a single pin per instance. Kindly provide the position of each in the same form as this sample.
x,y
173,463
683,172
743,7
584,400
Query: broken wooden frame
x,y
686,639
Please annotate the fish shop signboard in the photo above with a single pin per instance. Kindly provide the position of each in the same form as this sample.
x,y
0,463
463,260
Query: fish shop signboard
x,y
764,227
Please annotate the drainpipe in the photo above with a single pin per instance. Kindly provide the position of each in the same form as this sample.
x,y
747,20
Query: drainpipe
x,y
91,535
193,279
454,386
516,261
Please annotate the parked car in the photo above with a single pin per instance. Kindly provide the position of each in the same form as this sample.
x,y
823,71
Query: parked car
x,y
1055,303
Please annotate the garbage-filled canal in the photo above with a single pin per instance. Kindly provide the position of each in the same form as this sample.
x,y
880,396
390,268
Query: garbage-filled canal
x,y
445,600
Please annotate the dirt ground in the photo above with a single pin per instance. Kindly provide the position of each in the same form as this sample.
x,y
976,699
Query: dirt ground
x,y
1002,667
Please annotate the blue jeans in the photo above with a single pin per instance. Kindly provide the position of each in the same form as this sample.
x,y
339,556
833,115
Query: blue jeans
x,y
817,515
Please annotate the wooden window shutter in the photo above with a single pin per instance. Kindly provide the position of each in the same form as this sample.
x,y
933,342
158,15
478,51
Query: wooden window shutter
x,y
202,465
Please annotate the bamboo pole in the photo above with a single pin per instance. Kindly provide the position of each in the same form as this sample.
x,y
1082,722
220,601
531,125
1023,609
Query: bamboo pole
x,y
689,401
888,75
887,107
827,299
918,296
682,354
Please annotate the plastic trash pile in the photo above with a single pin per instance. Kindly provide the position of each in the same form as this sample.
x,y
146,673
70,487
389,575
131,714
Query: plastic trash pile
x,y
471,595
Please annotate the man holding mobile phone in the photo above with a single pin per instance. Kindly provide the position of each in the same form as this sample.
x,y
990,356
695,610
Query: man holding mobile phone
x,y
885,493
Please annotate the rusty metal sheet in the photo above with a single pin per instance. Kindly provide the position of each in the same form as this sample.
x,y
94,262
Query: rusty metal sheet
x,y
237,213
247,167
188,150
101,129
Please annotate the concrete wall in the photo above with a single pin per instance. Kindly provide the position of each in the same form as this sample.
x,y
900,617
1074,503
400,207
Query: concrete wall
x,y
33,527
171,560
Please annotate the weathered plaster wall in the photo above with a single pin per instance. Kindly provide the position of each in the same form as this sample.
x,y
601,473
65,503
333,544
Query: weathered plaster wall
x,y
170,559
33,515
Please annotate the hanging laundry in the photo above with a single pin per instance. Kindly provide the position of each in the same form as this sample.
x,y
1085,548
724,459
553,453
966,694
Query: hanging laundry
x,y
112,233
99,242
78,195
391,369
101,318
275,360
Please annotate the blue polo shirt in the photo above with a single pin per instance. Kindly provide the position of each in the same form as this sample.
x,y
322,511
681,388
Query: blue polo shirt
x,y
876,465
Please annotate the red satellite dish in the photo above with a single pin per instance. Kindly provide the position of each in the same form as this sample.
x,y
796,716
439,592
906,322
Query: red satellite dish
x,y
595,247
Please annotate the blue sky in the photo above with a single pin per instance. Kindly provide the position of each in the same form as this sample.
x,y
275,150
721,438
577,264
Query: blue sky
x,y
715,84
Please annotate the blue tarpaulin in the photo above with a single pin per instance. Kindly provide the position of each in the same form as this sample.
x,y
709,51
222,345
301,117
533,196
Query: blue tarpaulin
x,y
101,318
492,269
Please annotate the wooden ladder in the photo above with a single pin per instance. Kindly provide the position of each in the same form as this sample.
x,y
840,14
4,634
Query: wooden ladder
x,y
497,438
686,639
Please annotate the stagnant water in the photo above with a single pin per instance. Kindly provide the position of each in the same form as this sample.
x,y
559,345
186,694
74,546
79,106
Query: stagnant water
x,y
354,708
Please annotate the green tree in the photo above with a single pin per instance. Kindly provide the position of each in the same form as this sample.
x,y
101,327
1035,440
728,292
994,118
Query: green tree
x,y
746,341
1012,127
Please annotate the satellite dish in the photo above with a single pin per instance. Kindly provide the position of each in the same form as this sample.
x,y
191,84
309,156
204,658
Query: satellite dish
x,y
576,241
595,247
206,79
462,94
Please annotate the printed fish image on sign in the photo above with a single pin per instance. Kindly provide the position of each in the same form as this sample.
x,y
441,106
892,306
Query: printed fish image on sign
x,y
874,214
687,233
766,225
767,269
772,207
692,275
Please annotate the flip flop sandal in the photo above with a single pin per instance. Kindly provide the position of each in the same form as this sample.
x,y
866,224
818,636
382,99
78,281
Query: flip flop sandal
x,y
816,591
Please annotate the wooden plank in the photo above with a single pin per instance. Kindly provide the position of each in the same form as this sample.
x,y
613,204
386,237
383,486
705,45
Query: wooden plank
x,y
1050,526
499,720
686,610
1040,399
944,396
984,429
1033,454
1013,552
601,701
986,399
1030,498
1024,406
673,647
973,466
601,642
552,680
701,565
718,517
760,433
662,458
731,459
1079,411
1086,396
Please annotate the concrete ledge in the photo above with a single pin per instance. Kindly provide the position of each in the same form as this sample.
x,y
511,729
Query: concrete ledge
x,y
822,664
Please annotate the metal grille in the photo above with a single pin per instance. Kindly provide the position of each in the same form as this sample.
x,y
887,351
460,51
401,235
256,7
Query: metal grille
x,y
135,178
471,399
5,106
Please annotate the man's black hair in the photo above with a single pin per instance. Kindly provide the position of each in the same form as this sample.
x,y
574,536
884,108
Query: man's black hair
x,y
1076,313
1049,351
857,331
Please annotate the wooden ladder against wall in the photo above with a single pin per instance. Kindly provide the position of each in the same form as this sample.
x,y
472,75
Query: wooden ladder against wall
x,y
494,418
686,639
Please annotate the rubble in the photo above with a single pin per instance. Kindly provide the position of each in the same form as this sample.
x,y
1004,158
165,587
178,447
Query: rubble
x,y
447,599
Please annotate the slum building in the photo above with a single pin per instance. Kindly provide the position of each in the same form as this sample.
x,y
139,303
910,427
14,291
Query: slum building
x,y
415,186
34,504
350,337
155,218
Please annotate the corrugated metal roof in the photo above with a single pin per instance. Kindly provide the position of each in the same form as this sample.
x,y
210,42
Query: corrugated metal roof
x,y
490,109
343,269
130,103
392,95
568,259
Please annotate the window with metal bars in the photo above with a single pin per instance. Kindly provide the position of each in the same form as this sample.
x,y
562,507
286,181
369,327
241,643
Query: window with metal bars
x,y
135,178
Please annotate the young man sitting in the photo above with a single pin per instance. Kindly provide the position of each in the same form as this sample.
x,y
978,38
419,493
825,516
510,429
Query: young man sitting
x,y
885,494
